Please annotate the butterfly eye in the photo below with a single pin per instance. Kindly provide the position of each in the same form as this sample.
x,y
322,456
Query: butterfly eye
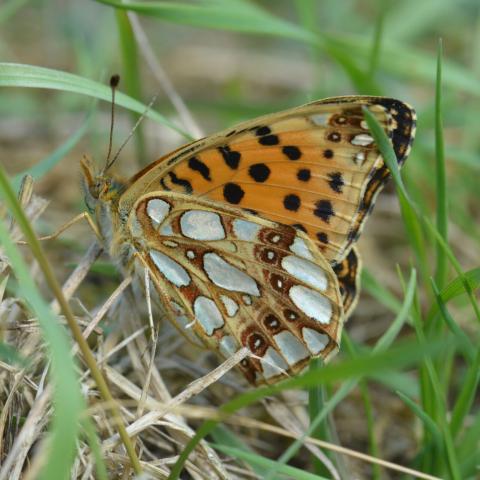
x,y
94,190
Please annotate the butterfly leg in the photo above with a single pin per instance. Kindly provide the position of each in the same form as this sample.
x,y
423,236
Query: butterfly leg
x,y
67,225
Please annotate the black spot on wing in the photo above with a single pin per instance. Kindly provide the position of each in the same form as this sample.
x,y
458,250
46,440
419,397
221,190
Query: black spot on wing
x,y
231,157
322,237
233,193
261,131
292,152
328,153
336,181
304,174
324,210
198,166
265,136
259,172
180,181
269,140
291,202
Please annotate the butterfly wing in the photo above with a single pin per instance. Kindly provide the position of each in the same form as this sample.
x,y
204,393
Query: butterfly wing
x,y
315,167
240,280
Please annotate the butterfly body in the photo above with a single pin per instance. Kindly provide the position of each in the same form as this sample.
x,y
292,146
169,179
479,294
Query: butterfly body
x,y
248,234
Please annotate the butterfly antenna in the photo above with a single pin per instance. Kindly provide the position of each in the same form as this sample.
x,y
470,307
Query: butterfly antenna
x,y
142,116
114,81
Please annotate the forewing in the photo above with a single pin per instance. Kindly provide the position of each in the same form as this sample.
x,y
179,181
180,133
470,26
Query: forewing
x,y
239,280
315,167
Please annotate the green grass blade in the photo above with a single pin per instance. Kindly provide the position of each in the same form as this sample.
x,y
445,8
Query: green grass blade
x,y
427,421
387,339
316,401
441,190
369,415
456,265
284,470
225,438
409,213
130,74
67,399
385,147
467,348
457,287
30,76
234,15
466,396
468,441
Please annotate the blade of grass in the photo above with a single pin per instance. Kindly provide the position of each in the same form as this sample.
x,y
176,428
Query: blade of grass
x,y
441,190
468,441
369,415
466,396
409,214
284,470
427,421
456,288
130,74
30,76
316,402
224,437
235,15
456,265
391,334
467,348
362,80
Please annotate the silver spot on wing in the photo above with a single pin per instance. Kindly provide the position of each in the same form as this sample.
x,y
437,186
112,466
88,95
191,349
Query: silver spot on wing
x,y
170,269
225,275
202,225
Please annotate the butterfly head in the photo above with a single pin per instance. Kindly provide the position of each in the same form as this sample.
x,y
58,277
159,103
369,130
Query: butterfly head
x,y
98,186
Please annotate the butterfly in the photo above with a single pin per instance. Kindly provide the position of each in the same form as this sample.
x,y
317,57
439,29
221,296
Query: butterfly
x,y
248,235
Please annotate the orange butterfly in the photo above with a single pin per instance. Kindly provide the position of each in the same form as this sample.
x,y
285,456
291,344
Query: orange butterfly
x,y
248,234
